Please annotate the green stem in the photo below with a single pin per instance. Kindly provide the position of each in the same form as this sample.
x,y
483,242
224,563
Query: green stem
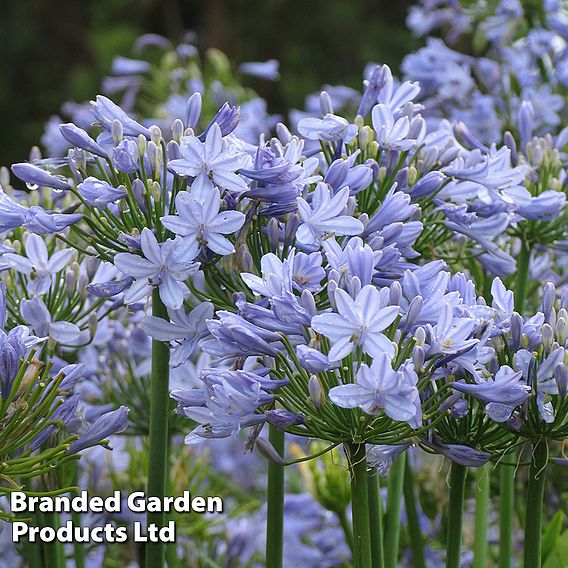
x,y
522,276
376,518
32,550
78,547
275,503
392,516
414,532
535,496
480,546
54,552
455,516
506,510
356,456
158,436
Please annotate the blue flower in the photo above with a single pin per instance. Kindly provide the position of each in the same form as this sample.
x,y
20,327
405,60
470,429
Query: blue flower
x,y
210,163
391,134
185,330
201,223
322,218
37,265
330,128
106,112
358,322
165,266
99,193
502,394
36,176
107,424
379,388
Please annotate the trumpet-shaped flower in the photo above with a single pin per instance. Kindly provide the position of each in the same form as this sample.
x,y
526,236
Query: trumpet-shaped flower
x,y
165,266
380,388
358,322
37,265
201,223
391,135
322,218
210,163
184,329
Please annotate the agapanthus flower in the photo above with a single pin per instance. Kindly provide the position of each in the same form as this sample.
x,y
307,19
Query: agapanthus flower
x,y
330,128
185,330
210,163
37,264
106,425
35,219
380,388
36,314
502,394
323,216
357,322
391,134
201,223
164,266
99,193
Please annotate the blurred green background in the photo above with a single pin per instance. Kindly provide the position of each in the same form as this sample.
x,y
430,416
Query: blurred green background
x,y
57,50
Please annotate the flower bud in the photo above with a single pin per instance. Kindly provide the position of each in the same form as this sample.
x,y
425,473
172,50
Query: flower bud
x,y
177,129
317,394
420,336
418,357
326,105
547,337
561,330
273,233
193,110
283,133
395,293
141,143
116,131
155,134
414,311
516,331
93,324
70,282
139,192
267,450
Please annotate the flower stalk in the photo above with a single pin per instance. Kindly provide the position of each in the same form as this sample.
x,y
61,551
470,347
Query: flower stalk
x,y
158,436
356,455
392,516
275,502
458,474
415,533
482,495
535,497
376,518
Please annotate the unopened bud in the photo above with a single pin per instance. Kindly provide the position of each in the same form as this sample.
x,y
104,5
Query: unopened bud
x,y
177,129
268,451
116,131
317,394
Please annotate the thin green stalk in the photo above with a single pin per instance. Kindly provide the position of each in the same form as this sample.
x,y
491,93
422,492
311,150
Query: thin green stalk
x,y
356,456
506,510
414,531
54,552
32,550
158,436
78,547
392,516
482,495
376,518
535,497
455,515
275,503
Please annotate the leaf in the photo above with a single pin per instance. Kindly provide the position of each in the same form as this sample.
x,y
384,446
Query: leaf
x,y
551,534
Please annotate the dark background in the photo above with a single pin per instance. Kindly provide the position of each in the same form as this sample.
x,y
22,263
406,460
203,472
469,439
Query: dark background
x,y
57,50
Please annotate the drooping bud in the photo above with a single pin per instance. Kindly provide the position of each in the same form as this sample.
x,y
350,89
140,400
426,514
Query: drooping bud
x,y
268,451
561,378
